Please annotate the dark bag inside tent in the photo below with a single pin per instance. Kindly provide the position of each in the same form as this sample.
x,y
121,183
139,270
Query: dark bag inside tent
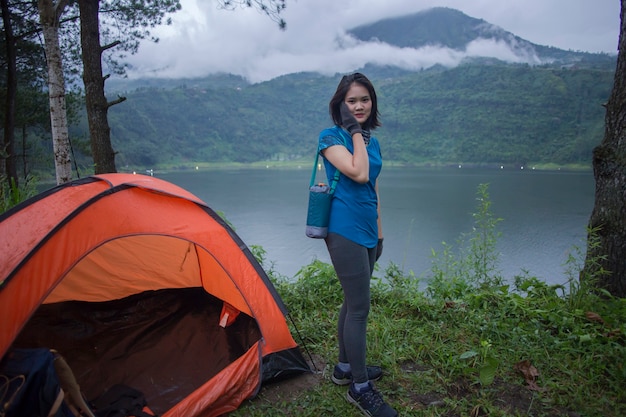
x,y
165,343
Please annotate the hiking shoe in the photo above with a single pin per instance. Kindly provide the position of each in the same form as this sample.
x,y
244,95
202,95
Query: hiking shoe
x,y
340,377
370,402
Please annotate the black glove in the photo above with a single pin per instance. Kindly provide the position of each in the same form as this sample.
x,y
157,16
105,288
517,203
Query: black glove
x,y
379,248
348,120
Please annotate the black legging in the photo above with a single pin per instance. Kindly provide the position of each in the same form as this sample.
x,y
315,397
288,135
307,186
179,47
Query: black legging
x,y
354,265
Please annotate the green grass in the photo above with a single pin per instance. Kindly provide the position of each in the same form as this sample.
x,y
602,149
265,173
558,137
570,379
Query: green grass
x,y
458,340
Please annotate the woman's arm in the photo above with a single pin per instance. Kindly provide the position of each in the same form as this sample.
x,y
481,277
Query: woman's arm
x,y
355,166
379,246
380,222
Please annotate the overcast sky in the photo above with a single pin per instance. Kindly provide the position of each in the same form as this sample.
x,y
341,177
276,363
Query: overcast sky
x,y
204,39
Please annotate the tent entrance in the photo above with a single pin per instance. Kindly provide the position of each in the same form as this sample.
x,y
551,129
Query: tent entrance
x,y
166,343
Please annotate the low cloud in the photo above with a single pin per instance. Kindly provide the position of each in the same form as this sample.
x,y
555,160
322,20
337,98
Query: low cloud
x,y
204,39
348,54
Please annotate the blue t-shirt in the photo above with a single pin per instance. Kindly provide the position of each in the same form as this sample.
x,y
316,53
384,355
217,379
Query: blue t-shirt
x,y
353,212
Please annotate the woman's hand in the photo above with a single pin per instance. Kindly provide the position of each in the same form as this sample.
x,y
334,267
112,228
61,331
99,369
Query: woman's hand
x,y
349,121
379,248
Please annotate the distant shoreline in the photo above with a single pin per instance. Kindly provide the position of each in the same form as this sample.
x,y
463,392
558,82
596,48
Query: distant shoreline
x,y
301,164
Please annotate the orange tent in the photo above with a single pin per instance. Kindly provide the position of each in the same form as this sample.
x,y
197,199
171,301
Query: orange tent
x,y
136,281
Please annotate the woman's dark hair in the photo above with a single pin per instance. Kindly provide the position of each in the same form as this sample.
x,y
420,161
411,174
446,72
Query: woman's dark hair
x,y
340,95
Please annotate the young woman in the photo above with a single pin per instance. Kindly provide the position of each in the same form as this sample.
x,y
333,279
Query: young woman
x,y
355,237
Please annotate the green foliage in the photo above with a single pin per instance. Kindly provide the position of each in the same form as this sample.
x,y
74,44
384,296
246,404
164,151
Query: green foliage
x,y
11,194
483,257
487,364
475,263
317,283
582,283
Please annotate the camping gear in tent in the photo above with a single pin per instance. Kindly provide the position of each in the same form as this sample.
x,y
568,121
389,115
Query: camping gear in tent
x,y
136,281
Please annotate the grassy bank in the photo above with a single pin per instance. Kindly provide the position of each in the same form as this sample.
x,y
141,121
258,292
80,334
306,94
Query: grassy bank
x,y
467,344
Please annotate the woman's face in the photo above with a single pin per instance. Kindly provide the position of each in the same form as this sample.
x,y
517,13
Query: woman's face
x,y
359,102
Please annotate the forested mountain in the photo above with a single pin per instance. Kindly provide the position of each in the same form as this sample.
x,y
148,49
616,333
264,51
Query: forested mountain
x,y
482,111
445,27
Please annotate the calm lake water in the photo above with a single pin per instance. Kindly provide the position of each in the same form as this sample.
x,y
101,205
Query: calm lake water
x,y
544,214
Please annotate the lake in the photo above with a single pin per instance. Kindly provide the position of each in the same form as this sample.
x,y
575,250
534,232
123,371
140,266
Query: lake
x,y
544,214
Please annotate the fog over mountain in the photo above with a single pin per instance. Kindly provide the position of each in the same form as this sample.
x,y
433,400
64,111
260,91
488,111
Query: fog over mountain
x,y
326,36
447,37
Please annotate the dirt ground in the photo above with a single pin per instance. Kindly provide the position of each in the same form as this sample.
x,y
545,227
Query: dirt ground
x,y
291,388
510,398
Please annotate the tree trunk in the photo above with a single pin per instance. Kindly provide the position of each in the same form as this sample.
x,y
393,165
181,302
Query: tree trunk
x,y
96,102
609,167
49,14
9,167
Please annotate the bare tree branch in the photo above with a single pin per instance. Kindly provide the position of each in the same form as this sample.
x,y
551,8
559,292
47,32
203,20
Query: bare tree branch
x,y
120,99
